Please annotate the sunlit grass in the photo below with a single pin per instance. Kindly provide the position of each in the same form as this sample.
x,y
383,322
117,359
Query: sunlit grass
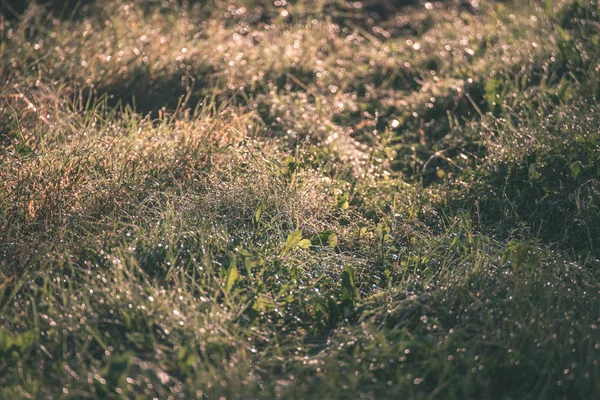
x,y
300,200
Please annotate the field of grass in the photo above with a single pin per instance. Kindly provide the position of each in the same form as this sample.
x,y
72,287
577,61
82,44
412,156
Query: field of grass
x,y
300,199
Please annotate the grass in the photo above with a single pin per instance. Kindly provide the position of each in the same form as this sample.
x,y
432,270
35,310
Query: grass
x,y
300,200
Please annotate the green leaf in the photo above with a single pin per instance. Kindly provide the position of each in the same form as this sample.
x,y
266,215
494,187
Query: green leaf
x,y
304,244
349,290
576,169
292,240
325,238
259,212
362,232
332,240
232,274
320,306
343,203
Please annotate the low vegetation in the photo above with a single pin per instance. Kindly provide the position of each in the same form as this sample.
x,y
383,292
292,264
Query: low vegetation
x,y
300,199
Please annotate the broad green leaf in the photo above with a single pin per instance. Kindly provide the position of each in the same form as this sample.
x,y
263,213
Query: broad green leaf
x,y
304,244
292,240
576,169
332,240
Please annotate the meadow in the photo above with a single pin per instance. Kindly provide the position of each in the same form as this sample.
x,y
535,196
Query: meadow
x,y
300,199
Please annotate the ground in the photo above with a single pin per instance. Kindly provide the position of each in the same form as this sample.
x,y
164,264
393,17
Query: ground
x,y
300,199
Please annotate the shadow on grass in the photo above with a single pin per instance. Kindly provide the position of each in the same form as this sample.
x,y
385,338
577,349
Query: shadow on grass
x,y
62,9
147,92
548,194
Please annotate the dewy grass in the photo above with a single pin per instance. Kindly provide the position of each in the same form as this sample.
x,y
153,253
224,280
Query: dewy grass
x,y
300,200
